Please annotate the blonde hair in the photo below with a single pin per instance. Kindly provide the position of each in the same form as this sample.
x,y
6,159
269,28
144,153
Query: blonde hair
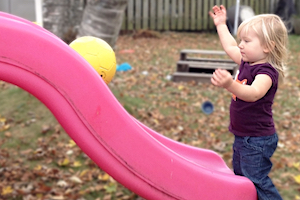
x,y
273,35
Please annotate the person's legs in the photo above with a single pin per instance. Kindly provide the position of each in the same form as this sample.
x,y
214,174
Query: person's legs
x,y
255,164
237,145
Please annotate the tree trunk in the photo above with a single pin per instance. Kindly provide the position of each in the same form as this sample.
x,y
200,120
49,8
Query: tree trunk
x,y
63,17
103,19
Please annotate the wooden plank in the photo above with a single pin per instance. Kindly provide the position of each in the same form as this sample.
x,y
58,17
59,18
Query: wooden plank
x,y
130,18
186,77
262,7
226,4
267,6
254,6
211,60
205,14
199,15
297,6
187,14
159,19
230,3
257,10
180,15
166,25
138,15
223,2
200,51
145,24
193,15
210,21
174,16
208,65
153,14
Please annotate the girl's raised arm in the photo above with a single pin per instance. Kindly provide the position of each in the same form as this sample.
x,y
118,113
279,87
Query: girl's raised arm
x,y
228,42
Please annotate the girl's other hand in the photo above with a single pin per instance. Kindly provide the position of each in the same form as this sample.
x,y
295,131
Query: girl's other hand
x,y
221,78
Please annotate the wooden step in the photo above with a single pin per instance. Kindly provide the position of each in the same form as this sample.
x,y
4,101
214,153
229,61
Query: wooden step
x,y
210,60
186,77
201,69
185,52
204,67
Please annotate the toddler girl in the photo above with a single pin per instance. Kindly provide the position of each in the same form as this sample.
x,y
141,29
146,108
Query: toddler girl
x,y
261,54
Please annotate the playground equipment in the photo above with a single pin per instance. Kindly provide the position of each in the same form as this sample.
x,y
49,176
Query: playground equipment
x,y
149,164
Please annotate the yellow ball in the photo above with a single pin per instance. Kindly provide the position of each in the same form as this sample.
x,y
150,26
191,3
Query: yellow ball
x,y
99,55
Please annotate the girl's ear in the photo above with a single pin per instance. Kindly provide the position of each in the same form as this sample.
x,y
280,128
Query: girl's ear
x,y
268,48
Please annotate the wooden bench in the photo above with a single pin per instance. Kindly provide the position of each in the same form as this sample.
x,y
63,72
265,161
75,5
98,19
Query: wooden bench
x,y
201,69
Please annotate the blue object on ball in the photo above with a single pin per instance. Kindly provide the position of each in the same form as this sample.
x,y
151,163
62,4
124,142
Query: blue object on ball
x,y
207,107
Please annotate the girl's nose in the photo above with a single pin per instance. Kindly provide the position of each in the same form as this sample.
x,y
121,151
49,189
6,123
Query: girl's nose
x,y
240,45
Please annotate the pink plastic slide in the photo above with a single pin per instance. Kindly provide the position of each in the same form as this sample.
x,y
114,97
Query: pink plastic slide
x,y
151,165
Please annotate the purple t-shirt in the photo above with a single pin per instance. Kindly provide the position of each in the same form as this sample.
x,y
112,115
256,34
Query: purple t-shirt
x,y
253,118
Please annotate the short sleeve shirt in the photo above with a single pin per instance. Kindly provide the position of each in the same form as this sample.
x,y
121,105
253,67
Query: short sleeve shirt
x,y
253,118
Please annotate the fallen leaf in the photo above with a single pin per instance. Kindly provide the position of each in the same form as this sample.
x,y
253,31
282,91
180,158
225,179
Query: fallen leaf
x,y
7,134
6,190
77,164
64,162
75,179
297,179
71,143
62,183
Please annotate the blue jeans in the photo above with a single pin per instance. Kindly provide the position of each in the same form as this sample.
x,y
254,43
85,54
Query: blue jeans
x,y
251,158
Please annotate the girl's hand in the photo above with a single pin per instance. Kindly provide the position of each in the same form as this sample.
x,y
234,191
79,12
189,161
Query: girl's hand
x,y
218,15
222,78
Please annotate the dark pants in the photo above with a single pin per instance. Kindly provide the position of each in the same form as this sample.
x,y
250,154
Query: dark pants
x,y
251,158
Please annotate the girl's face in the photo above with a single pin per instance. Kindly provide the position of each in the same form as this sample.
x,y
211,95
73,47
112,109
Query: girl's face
x,y
251,49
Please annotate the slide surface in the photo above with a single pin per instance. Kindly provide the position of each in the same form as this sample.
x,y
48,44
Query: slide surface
x,y
149,164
